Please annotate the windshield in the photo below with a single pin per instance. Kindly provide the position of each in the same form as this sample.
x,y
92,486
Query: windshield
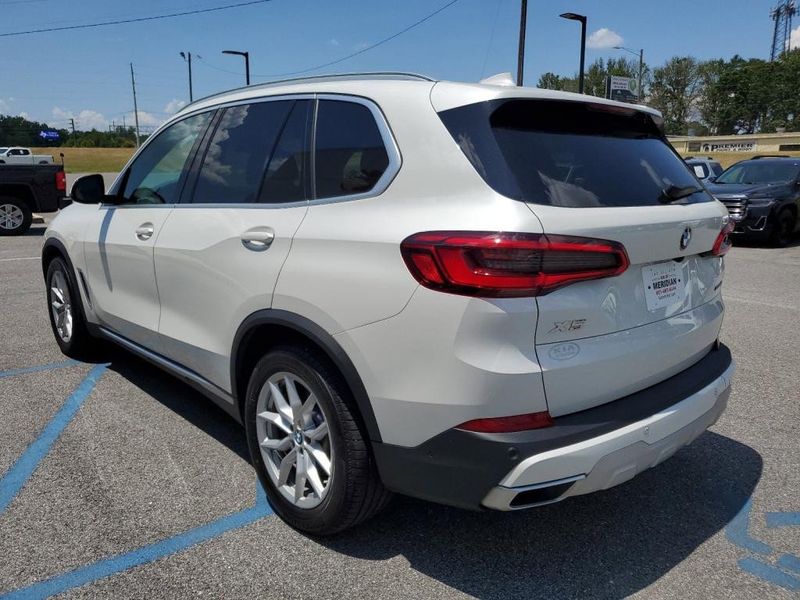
x,y
571,154
2,150
761,172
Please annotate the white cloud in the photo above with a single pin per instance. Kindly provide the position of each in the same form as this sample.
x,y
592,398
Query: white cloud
x,y
794,42
604,38
146,119
5,106
334,42
24,115
85,120
174,106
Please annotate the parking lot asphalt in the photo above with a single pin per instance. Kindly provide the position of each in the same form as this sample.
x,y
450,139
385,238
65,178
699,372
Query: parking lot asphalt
x,y
116,480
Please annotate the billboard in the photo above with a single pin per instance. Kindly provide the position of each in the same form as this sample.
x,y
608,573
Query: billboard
x,y
622,89
51,136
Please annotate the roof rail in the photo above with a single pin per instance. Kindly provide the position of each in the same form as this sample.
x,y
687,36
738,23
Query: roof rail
x,y
392,75
758,156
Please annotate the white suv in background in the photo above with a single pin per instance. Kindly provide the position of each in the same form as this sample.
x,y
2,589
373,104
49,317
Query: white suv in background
x,y
485,296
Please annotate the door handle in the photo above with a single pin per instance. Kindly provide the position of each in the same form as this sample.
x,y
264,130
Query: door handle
x,y
145,231
258,240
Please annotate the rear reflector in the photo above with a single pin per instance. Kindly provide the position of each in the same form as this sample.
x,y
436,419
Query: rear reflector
x,y
61,181
723,242
508,265
509,424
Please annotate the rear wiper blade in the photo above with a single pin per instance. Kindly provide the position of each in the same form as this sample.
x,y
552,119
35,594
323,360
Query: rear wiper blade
x,y
674,193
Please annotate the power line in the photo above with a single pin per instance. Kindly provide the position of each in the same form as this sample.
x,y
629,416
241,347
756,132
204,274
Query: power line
x,y
138,19
372,46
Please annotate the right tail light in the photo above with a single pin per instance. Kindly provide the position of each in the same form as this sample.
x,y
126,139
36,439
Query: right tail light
x,y
508,265
723,242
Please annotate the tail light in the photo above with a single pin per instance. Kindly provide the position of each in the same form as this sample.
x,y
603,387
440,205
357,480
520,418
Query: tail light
x,y
723,242
508,265
61,181
509,424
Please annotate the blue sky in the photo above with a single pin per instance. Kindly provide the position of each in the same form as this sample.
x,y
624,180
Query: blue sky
x,y
85,73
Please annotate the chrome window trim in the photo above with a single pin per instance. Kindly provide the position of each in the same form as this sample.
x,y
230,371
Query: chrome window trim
x,y
385,180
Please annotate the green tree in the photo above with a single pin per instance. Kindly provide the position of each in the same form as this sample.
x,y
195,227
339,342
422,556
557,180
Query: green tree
x,y
549,81
676,90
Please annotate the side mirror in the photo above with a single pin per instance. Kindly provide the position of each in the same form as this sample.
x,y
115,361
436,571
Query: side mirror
x,y
89,189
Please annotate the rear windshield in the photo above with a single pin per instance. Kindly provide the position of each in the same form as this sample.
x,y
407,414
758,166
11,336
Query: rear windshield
x,y
570,154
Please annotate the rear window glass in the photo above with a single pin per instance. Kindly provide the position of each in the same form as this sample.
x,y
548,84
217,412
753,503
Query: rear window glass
x,y
350,155
569,154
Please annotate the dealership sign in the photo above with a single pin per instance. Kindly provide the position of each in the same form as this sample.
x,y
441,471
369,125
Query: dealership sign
x,y
49,135
622,89
729,147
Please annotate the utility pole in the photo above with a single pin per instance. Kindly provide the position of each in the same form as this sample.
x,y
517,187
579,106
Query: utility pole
x,y
187,56
135,107
72,124
640,88
523,22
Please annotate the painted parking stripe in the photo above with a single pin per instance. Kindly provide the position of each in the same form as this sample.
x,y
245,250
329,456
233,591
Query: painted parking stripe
x,y
783,519
21,471
37,368
737,532
145,554
21,258
769,573
789,562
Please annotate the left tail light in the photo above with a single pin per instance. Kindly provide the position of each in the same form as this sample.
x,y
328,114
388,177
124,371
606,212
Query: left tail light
x,y
508,265
61,181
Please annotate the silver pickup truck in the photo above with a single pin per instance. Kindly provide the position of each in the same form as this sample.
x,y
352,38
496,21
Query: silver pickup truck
x,y
16,155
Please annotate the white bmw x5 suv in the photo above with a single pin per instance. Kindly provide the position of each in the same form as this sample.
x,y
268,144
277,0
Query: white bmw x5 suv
x,y
485,296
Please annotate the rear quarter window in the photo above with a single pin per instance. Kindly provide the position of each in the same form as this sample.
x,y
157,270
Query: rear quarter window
x,y
569,154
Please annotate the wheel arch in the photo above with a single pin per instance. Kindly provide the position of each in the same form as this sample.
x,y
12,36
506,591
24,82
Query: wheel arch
x,y
268,328
21,192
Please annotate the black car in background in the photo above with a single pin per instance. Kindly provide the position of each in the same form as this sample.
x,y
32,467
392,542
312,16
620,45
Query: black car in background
x,y
762,196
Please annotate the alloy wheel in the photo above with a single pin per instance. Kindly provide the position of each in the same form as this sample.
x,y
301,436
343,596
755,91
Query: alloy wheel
x,y
61,306
11,217
294,439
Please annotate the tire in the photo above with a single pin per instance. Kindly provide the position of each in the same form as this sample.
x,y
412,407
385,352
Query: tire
x,y
79,341
783,229
352,491
15,216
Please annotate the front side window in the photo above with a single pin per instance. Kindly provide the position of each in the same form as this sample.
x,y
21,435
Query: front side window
x,y
257,154
154,176
350,155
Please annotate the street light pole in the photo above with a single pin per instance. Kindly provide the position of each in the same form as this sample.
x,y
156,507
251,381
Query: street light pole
x,y
523,22
582,19
246,62
639,84
189,60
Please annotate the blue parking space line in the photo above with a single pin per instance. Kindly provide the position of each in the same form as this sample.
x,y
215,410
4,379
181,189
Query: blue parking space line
x,y
37,368
145,554
737,533
21,471
769,573
789,562
783,519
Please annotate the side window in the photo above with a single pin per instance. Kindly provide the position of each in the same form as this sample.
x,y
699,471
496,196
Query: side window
x,y
350,155
257,154
154,176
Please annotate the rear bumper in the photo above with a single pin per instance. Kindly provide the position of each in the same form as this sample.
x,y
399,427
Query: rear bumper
x,y
583,452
